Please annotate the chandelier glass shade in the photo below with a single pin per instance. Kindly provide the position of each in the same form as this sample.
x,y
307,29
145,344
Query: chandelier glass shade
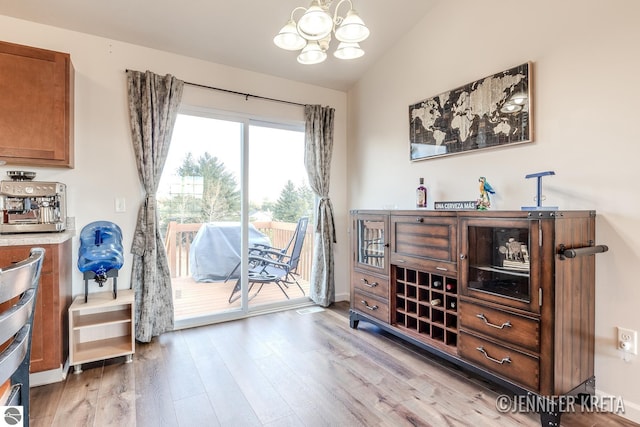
x,y
352,29
312,54
312,33
347,50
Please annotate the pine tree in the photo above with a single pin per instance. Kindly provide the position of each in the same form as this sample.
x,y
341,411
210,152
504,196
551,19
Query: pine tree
x,y
287,207
293,203
307,201
220,194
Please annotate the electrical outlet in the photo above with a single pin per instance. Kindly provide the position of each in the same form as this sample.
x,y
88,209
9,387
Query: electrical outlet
x,y
628,340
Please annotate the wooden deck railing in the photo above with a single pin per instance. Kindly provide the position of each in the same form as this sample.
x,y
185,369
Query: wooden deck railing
x,y
180,236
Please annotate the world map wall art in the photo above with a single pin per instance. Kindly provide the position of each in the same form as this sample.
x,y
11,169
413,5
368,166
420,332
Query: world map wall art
x,y
491,112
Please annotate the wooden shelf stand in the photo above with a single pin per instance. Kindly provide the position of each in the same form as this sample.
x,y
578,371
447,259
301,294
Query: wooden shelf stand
x,y
101,328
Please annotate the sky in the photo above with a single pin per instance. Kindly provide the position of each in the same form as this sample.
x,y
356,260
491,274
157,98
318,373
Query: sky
x,y
275,155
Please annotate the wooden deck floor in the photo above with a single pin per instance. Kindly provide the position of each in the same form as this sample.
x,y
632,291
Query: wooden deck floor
x,y
193,299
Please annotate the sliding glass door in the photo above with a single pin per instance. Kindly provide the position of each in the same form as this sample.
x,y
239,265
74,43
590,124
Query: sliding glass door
x,y
231,183
279,197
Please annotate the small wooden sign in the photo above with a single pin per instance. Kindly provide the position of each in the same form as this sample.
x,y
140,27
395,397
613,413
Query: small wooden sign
x,y
455,206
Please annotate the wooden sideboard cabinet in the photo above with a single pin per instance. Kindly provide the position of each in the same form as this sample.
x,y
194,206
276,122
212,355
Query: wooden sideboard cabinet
x,y
508,295
49,346
36,106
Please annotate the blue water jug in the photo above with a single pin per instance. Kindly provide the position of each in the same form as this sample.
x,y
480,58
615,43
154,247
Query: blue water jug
x,y
100,248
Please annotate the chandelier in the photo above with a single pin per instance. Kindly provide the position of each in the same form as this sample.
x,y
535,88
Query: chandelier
x,y
313,31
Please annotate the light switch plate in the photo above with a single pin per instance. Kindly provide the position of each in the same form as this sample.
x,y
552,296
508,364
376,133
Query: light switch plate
x,y
120,204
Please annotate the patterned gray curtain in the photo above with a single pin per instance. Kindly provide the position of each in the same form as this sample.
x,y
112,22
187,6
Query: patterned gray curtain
x,y
153,108
317,160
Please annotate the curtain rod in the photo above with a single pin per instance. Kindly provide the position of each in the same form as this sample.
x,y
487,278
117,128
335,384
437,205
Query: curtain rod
x,y
246,95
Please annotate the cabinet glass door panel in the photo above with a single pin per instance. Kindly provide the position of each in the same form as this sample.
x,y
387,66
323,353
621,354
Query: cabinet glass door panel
x,y
499,261
371,245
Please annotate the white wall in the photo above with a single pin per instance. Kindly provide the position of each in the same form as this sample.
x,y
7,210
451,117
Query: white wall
x,y
586,93
105,165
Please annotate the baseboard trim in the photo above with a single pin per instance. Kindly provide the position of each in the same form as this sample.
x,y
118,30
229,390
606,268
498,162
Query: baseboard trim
x,y
48,377
343,297
631,409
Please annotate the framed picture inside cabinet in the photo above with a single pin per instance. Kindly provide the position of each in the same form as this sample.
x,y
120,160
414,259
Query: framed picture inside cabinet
x,y
491,112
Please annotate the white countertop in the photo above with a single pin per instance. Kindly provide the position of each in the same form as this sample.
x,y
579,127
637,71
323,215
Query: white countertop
x,y
18,239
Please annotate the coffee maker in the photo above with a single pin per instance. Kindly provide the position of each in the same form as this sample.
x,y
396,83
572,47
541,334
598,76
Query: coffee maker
x,y
32,206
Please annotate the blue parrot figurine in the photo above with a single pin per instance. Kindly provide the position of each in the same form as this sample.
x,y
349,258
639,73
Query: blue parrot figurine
x,y
484,202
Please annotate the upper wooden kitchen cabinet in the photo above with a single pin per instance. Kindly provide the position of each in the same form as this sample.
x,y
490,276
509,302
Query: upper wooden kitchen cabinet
x,y
36,106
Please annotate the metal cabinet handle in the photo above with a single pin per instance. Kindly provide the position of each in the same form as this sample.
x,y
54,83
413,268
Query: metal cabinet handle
x,y
463,256
442,269
370,285
370,307
486,322
500,362
400,261
420,219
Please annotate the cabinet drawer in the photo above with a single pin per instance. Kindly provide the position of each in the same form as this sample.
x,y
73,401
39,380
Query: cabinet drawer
x,y
444,268
519,367
370,284
426,242
503,325
368,304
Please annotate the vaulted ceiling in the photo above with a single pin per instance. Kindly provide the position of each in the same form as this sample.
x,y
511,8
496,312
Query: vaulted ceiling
x,y
237,33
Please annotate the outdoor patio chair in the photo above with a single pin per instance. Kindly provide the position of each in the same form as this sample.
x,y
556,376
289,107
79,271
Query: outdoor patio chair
x,y
273,265
18,290
373,251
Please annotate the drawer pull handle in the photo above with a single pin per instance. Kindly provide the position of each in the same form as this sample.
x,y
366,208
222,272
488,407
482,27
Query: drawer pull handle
x,y
442,269
370,307
370,285
400,261
500,362
486,322
419,219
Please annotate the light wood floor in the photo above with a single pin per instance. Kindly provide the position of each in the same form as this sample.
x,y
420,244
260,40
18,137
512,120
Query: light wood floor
x,y
194,299
280,369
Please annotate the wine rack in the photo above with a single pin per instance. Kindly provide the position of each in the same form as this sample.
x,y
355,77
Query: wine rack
x,y
427,304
